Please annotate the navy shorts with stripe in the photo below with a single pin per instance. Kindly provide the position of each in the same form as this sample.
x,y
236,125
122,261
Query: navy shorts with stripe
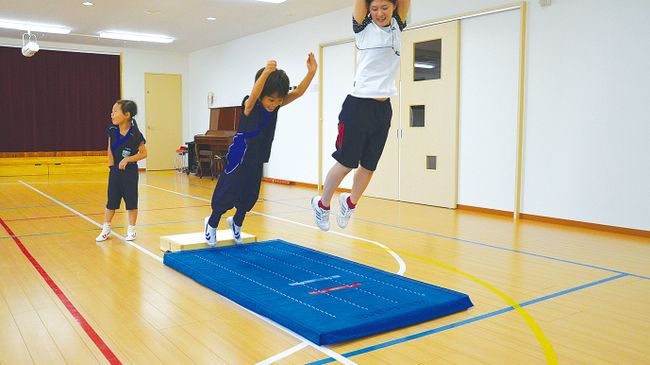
x,y
363,131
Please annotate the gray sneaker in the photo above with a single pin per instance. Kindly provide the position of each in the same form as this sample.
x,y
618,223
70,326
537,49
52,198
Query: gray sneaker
x,y
321,216
345,212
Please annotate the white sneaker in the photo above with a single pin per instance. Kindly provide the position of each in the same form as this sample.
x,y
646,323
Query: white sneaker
x,y
321,216
130,233
106,231
210,234
345,212
236,230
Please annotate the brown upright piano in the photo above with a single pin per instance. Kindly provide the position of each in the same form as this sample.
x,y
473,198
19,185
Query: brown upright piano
x,y
224,122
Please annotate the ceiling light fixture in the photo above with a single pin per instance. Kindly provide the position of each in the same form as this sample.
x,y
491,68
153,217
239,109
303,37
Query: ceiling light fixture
x,y
34,27
137,37
273,1
423,65
211,18
87,3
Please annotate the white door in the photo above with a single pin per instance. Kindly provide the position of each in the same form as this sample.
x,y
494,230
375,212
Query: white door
x,y
163,110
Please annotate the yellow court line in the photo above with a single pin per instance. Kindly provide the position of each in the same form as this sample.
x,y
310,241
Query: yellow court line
x,y
549,352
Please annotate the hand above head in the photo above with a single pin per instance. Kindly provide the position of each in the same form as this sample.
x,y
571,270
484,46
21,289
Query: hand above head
x,y
311,63
271,65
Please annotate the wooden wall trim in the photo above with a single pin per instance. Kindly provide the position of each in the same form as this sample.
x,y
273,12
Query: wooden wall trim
x,y
485,210
595,226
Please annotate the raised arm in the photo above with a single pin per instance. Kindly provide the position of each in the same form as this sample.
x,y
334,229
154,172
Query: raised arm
x,y
304,84
271,66
359,10
403,9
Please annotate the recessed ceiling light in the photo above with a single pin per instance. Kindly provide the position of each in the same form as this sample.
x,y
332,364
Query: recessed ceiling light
x,y
152,11
272,1
137,37
87,3
210,18
34,27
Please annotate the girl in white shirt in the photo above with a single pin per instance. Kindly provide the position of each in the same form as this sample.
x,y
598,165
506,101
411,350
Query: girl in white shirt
x,y
365,117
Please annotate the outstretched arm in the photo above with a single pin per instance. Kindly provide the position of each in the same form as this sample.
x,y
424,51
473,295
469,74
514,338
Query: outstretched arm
x,y
359,10
403,9
304,84
271,66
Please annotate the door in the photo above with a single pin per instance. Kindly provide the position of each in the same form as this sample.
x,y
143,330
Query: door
x,y
429,115
163,111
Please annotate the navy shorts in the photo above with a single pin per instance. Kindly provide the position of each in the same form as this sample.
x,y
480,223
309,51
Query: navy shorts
x,y
123,184
363,131
238,189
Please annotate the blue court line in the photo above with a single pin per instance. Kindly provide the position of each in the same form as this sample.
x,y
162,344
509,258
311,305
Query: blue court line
x,y
457,239
483,244
467,321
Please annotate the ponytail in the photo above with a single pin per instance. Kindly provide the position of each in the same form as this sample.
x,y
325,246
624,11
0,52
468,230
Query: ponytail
x,y
129,106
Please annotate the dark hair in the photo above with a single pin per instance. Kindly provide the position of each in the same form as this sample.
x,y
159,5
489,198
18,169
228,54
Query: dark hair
x,y
276,83
129,106
370,1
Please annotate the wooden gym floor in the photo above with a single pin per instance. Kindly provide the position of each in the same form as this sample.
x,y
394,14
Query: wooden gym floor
x,y
542,293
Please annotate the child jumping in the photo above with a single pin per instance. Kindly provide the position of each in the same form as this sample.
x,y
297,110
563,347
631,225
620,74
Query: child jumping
x,y
239,183
125,149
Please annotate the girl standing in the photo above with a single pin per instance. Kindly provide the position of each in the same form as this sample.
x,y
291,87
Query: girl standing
x,y
126,146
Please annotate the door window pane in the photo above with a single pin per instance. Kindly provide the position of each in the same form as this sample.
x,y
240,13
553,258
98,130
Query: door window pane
x,y
427,60
417,115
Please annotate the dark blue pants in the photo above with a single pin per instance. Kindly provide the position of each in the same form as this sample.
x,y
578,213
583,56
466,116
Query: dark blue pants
x,y
238,189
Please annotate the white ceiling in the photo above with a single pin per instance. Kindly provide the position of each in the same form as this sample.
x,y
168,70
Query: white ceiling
x,y
184,20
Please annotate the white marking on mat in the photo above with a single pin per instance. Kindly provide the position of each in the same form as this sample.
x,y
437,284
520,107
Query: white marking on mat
x,y
315,280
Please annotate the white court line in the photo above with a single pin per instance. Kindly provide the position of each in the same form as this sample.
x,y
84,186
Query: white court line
x,y
140,248
400,261
335,355
283,354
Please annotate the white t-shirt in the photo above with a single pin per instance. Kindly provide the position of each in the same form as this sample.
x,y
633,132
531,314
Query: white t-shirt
x,y
378,59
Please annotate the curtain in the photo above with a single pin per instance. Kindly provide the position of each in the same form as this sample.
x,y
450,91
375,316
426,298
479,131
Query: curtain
x,y
55,100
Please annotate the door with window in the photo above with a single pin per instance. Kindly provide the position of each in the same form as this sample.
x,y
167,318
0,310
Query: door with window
x,y
429,115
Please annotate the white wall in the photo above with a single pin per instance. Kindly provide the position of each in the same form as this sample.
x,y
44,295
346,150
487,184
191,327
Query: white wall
x,y
134,65
587,149
586,152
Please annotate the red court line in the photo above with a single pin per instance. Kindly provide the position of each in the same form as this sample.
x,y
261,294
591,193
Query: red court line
x,y
101,345
102,213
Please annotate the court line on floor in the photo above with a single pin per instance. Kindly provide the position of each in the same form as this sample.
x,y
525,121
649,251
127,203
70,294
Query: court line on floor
x,y
469,320
614,271
546,345
92,334
400,261
325,350
460,239
130,243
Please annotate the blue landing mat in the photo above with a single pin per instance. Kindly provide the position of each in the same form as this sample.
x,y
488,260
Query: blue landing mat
x,y
324,298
